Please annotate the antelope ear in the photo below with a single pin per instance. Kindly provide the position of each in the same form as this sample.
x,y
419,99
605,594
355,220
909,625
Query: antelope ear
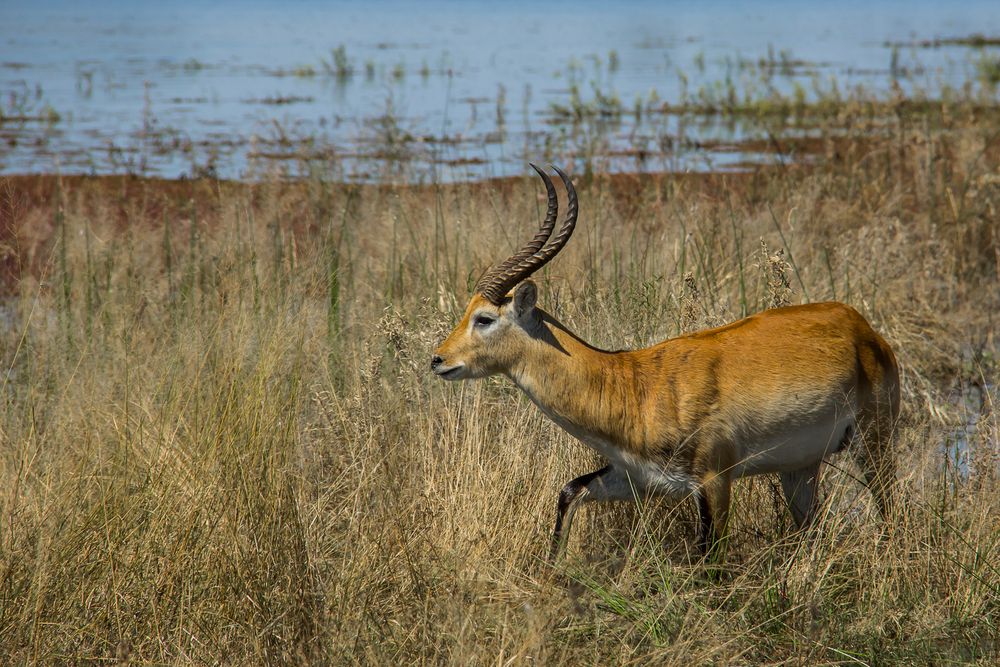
x,y
524,298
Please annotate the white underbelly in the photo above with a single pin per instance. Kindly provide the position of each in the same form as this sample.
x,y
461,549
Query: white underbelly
x,y
788,450
651,477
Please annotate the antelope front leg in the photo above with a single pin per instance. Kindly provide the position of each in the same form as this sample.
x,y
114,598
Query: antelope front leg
x,y
713,505
604,484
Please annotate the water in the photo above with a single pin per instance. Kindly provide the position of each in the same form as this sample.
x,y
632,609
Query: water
x,y
447,89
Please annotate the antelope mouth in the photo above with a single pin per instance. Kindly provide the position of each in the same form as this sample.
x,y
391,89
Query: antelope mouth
x,y
452,373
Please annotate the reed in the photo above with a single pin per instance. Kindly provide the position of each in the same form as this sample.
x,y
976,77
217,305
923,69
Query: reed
x,y
219,441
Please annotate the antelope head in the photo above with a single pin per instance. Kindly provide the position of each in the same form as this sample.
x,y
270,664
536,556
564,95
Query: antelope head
x,y
498,323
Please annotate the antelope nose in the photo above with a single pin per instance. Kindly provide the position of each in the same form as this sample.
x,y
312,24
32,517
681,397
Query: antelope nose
x,y
436,361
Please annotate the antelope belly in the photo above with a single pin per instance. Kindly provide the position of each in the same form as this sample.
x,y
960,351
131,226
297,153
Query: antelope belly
x,y
793,449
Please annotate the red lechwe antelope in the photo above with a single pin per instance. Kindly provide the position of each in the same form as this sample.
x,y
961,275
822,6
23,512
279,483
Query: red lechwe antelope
x,y
775,392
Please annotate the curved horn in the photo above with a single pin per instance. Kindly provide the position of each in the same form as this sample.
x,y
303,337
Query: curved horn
x,y
496,284
533,246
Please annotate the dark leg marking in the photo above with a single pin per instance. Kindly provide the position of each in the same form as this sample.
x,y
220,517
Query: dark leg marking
x,y
706,530
570,493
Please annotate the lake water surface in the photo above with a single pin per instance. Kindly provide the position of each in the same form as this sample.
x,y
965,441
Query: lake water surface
x,y
449,90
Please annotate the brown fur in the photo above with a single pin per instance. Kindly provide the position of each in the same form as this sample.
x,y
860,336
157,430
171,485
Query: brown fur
x,y
700,403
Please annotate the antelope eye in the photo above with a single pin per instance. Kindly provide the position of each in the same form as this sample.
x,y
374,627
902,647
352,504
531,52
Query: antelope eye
x,y
481,321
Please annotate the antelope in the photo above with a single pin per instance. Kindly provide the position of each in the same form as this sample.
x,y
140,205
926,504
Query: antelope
x,y
775,392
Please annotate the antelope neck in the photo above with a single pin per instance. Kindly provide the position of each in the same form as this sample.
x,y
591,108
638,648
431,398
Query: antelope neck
x,y
587,391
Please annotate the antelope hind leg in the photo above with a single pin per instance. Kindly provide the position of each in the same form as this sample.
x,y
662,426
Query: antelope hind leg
x,y
800,492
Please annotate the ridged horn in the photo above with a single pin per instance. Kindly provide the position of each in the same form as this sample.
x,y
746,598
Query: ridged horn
x,y
533,246
498,281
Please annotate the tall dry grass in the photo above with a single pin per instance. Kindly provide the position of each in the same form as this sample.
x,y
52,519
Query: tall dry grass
x,y
220,444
